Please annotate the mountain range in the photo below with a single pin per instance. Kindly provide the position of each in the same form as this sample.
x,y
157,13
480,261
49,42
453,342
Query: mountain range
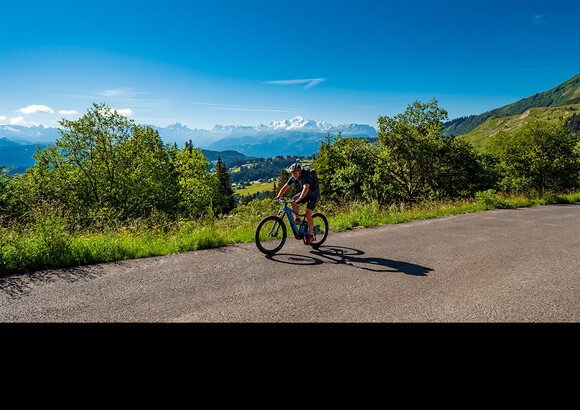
x,y
297,136
300,136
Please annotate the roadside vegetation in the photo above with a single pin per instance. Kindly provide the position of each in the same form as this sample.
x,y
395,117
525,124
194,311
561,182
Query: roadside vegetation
x,y
110,190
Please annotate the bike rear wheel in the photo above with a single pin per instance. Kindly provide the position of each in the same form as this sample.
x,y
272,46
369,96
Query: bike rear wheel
x,y
320,232
270,234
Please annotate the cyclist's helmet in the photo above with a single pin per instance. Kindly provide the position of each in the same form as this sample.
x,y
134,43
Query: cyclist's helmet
x,y
295,167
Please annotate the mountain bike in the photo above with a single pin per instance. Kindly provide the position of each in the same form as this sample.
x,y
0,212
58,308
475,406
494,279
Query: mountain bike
x,y
271,232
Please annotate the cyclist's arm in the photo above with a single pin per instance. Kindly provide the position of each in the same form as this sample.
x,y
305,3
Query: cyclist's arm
x,y
304,191
283,190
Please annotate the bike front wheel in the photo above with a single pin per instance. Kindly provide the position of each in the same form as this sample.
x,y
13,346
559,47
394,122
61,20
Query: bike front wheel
x,y
270,234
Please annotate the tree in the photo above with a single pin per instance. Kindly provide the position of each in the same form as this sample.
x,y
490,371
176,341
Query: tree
x,y
538,157
413,141
461,170
104,165
412,160
197,187
280,182
225,193
350,168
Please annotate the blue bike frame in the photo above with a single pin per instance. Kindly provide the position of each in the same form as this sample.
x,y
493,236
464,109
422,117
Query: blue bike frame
x,y
299,232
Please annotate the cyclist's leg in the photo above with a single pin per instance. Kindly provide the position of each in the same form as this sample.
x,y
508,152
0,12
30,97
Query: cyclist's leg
x,y
310,210
312,201
310,221
296,207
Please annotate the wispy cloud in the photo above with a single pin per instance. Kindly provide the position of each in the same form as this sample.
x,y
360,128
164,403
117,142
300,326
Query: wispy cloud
x,y
129,97
538,19
68,112
35,109
310,82
230,107
118,92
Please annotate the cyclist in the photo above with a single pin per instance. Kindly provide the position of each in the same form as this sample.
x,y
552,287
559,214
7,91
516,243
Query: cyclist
x,y
302,182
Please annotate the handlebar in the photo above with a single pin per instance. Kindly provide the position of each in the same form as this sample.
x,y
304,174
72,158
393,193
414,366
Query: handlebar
x,y
284,201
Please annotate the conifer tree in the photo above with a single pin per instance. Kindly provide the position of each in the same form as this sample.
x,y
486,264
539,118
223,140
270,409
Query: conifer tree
x,y
225,191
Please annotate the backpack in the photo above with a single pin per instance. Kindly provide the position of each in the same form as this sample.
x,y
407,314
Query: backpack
x,y
314,176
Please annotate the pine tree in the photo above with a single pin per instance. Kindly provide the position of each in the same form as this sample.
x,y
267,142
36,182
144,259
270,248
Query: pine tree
x,y
226,193
282,179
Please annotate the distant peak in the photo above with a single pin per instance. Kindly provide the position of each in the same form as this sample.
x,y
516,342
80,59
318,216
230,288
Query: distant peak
x,y
175,125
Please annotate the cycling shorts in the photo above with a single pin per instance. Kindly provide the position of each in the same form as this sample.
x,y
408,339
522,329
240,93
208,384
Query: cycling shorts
x,y
310,201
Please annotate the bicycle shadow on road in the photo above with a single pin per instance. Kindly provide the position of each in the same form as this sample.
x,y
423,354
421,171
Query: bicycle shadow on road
x,y
352,257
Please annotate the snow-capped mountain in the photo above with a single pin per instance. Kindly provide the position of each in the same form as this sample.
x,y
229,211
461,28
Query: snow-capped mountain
x,y
297,136
297,124
265,140
300,123
20,135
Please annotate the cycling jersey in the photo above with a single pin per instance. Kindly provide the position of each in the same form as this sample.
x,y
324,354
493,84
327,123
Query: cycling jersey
x,y
303,180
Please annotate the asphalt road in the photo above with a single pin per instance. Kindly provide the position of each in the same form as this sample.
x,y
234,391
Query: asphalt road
x,y
519,265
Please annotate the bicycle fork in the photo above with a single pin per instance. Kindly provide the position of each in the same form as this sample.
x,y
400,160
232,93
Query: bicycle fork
x,y
276,227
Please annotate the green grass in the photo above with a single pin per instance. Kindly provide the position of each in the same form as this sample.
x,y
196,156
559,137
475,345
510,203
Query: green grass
x,y
255,187
480,135
48,243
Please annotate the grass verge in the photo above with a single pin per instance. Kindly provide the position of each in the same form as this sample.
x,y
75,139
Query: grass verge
x,y
49,243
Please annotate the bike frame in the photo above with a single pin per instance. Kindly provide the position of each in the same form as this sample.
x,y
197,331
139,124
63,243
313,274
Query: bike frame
x,y
289,212
276,222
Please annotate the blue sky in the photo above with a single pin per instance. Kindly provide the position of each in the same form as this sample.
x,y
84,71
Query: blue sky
x,y
251,62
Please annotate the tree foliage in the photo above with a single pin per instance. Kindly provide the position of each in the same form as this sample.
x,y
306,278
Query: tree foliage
x,y
538,157
414,142
352,169
414,160
226,200
106,168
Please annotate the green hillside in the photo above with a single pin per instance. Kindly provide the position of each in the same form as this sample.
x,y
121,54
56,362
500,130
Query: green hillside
x,y
564,94
480,135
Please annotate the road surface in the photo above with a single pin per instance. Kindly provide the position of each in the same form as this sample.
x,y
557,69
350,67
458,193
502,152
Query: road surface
x,y
520,265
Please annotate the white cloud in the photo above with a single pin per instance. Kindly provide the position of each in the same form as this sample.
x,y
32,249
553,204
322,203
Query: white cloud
x,y
12,121
35,109
68,112
310,82
123,111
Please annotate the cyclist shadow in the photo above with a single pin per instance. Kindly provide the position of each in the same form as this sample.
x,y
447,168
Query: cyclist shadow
x,y
352,257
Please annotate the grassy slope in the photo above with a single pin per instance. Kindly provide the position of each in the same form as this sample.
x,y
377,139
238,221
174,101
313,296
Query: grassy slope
x,y
480,135
254,188
567,92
